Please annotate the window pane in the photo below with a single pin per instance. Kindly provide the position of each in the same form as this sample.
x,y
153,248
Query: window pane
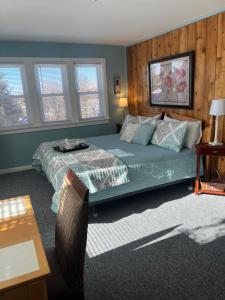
x,y
87,79
90,89
50,79
13,112
54,108
90,106
10,81
13,109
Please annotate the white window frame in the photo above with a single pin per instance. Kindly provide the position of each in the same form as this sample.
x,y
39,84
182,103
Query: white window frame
x,y
101,82
30,86
21,66
65,93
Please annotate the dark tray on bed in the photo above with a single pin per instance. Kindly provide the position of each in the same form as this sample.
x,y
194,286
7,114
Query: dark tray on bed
x,y
81,146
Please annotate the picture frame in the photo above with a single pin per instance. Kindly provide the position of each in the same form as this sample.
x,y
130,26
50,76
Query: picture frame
x,y
171,81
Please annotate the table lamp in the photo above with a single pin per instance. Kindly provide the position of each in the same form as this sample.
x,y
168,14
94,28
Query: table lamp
x,y
123,103
217,109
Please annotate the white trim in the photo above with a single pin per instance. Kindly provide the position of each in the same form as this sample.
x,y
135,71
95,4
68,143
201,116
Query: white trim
x,y
52,60
15,169
105,87
58,126
172,28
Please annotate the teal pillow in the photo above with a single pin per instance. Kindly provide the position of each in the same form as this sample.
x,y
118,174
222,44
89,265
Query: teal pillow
x,y
144,133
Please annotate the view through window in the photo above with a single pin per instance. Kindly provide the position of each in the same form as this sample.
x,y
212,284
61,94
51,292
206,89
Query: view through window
x,y
52,85
13,107
89,87
42,92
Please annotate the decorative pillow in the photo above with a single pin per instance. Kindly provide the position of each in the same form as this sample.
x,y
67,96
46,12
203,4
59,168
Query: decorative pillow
x,y
193,134
137,120
128,119
144,133
144,119
169,135
129,132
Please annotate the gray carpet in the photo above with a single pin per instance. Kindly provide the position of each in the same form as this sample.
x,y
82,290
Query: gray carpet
x,y
164,244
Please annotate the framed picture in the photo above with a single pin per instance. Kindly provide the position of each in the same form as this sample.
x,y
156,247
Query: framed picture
x,y
171,81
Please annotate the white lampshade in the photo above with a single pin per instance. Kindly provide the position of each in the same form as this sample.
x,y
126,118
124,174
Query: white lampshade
x,y
123,102
217,107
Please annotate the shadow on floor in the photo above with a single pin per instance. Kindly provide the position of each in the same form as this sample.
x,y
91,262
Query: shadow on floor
x,y
172,268
175,268
139,203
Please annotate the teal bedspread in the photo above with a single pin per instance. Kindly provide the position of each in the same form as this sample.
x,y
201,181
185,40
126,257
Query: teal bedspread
x,y
97,168
148,166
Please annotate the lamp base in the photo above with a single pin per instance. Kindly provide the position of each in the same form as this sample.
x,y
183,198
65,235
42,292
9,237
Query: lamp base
x,y
215,144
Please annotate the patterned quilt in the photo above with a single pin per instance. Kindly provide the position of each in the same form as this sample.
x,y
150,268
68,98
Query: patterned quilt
x,y
97,168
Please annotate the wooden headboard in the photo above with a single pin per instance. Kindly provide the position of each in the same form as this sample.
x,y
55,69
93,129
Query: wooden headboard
x,y
152,114
181,117
171,115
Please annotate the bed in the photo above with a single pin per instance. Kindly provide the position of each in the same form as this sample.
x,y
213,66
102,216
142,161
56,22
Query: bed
x,y
148,167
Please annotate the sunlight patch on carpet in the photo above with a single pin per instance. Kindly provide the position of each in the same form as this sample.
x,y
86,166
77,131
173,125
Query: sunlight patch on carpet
x,y
201,218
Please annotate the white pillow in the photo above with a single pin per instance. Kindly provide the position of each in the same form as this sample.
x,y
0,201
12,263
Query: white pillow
x,y
128,119
193,134
129,132
137,120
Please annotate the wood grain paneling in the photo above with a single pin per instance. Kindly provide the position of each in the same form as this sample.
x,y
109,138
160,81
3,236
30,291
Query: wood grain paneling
x,y
207,39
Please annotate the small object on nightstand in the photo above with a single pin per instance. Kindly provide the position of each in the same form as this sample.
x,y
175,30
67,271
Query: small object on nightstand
x,y
217,109
215,186
118,127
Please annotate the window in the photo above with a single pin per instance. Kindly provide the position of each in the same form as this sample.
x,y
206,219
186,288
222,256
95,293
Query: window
x,y
53,92
14,108
49,93
90,90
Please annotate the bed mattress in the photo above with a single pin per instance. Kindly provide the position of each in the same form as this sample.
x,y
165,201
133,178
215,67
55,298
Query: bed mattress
x,y
149,166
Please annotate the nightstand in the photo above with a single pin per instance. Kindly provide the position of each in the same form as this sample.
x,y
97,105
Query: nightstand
x,y
203,150
118,127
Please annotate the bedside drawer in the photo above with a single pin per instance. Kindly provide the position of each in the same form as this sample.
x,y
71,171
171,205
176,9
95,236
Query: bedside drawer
x,y
212,151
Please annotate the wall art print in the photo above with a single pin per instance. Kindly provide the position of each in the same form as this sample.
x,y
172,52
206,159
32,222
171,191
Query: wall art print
x,y
171,81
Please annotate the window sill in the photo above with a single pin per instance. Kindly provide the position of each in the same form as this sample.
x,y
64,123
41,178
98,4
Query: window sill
x,y
56,126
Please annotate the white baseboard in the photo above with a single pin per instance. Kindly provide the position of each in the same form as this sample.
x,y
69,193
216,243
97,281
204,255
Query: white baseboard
x,y
16,169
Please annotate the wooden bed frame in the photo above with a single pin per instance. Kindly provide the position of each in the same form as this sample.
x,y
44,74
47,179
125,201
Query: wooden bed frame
x,y
171,115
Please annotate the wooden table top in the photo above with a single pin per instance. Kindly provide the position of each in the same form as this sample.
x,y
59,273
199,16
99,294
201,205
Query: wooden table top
x,y
17,225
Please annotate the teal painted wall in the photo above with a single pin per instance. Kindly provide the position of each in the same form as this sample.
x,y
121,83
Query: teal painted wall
x,y
17,149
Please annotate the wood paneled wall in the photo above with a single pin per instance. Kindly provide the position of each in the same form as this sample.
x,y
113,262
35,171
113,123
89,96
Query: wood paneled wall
x,y
207,39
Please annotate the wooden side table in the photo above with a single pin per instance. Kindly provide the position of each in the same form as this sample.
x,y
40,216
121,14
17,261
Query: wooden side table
x,y
24,277
202,150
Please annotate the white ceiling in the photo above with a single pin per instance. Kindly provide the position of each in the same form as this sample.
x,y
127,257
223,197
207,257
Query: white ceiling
x,y
114,22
